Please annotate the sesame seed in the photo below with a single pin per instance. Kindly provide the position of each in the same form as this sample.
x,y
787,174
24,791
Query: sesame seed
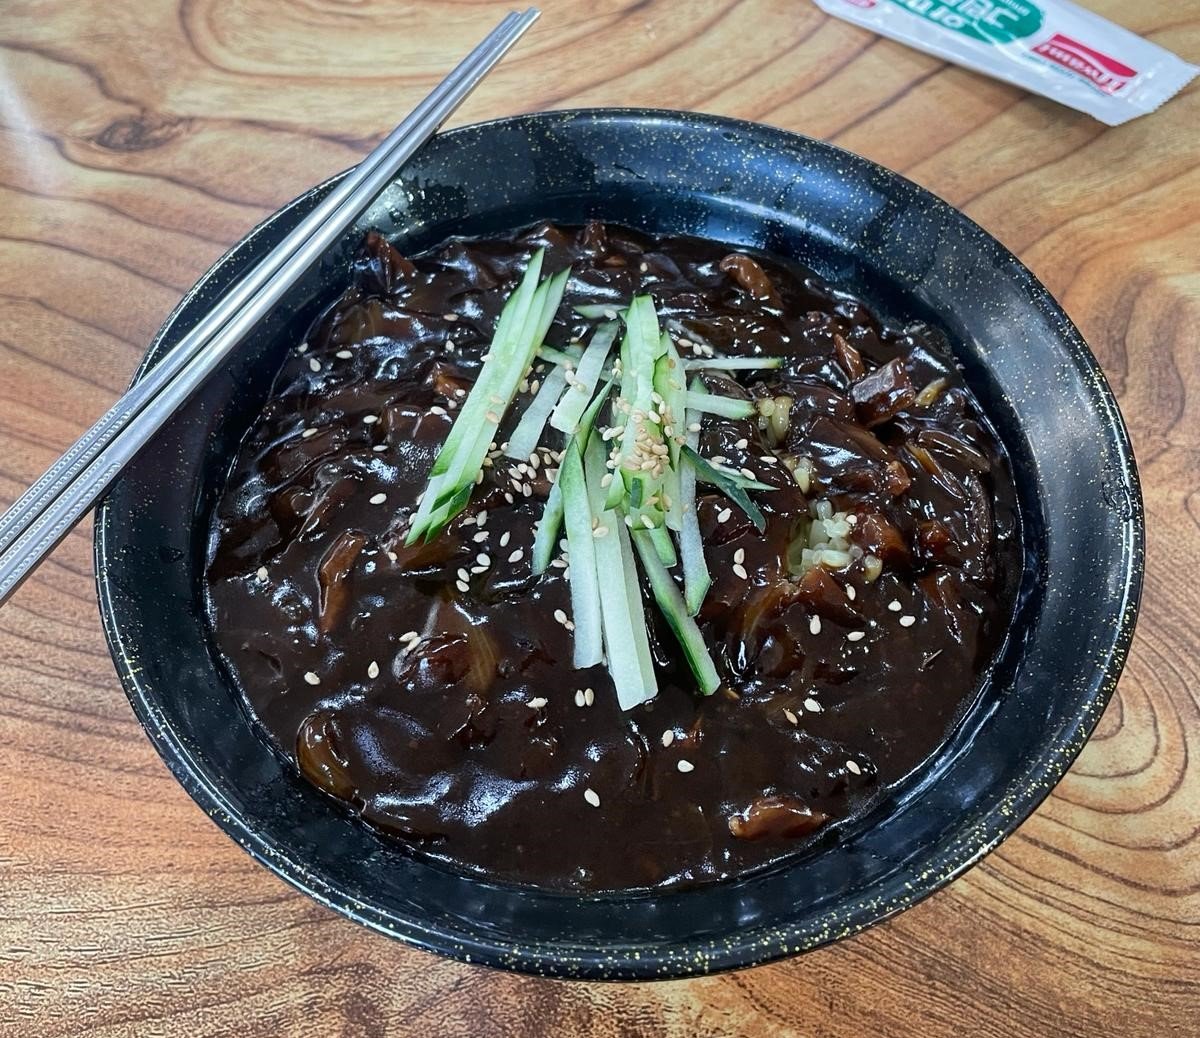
x,y
508,498
314,364
372,669
748,473
436,409
311,678
579,701
589,696
694,427
462,586
492,417
483,560
378,499
724,514
410,636
560,616
307,433
739,556
814,625
742,444
592,797
856,636
643,267
668,737
907,621
393,556
379,448
600,531
343,354
370,419
740,571
685,766
461,574
895,606
537,702
852,767
850,592
516,556
481,517
261,573
647,522
812,705
302,348
449,317
481,536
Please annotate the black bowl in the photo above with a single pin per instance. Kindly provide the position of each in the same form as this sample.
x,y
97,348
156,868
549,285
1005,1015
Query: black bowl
x,y
865,228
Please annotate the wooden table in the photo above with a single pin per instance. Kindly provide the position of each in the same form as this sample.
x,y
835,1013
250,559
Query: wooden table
x,y
139,139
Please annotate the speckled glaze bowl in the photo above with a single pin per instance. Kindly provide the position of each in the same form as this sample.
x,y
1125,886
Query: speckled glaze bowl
x,y
863,227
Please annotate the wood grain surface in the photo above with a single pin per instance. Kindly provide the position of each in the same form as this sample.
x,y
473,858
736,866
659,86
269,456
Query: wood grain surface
x,y
139,138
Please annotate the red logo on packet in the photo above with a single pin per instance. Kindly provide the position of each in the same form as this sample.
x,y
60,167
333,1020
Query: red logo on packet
x,y
1104,73
861,3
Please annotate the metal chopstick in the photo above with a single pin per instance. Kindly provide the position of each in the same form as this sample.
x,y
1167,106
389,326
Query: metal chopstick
x,y
76,458
42,516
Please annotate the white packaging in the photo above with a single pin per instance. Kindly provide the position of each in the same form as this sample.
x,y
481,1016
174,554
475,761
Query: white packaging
x,y
1052,47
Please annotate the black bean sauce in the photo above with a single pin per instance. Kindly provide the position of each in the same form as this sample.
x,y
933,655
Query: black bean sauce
x,y
455,720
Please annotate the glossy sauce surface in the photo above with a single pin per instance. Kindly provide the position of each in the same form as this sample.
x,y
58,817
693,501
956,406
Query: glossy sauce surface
x,y
455,720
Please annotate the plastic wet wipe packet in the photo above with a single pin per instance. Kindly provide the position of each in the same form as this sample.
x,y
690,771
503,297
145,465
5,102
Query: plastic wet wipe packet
x,y
1051,47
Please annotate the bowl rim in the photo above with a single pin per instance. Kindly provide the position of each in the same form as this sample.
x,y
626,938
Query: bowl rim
x,y
764,943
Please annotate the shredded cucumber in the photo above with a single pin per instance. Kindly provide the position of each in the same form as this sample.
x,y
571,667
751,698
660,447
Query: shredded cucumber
x,y
671,604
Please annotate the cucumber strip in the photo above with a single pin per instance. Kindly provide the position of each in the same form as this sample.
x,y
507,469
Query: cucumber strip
x,y
518,314
545,538
599,311
447,510
733,363
728,486
528,433
626,643
726,407
737,479
663,545
555,287
571,407
514,319
643,346
637,612
696,579
671,604
670,381
496,395
587,422
585,589
560,354
492,395
673,488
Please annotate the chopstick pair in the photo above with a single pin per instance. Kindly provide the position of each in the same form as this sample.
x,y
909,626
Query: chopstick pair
x,y
41,517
